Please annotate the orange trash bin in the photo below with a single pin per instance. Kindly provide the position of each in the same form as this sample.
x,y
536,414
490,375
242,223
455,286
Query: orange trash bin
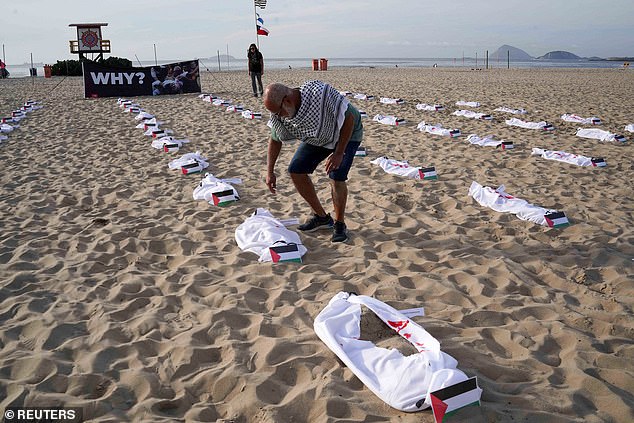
x,y
47,71
315,64
323,64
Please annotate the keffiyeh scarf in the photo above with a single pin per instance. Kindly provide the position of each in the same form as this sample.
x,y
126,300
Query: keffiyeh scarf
x,y
319,118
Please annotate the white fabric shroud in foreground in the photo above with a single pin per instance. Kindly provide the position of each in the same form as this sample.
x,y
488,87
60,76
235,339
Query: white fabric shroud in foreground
x,y
396,167
430,107
211,185
188,158
388,120
512,111
5,128
562,156
500,201
437,130
360,96
599,134
159,143
543,125
629,127
487,141
402,382
578,119
250,114
467,103
471,114
261,231
388,100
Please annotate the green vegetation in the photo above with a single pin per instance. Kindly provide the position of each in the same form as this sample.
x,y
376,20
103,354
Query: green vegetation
x,y
73,67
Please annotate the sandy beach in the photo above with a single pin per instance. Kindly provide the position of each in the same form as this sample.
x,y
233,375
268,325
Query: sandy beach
x,y
124,296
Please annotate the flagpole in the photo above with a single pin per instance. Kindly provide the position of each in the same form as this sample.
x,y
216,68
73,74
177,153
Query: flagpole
x,y
255,17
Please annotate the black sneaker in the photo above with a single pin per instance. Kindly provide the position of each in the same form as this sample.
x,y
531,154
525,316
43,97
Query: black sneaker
x,y
339,232
316,222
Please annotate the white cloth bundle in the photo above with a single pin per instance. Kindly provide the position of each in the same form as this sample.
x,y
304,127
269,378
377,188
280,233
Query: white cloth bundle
x,y
210,185
208,97
5,128
235,108
360,96
152,122
500,201
396,167
388,100
578,119
261,231
249,114
3,137
487,141
599,134
159,143
629,127
543,125
402,382
388,120
430,107
151,130
512,111
562,156
467,103
438,130
471,114
188,158
220,102
143,116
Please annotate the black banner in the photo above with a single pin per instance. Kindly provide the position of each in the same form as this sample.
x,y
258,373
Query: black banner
x,y
172,78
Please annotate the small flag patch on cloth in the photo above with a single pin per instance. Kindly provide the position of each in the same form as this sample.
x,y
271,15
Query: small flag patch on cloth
x,y
285,253
222,198
449,400
190,168
428,173
598,162
169,148
506,145
361,152
557,220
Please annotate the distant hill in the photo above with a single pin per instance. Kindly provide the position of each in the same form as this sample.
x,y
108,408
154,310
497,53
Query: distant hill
x,y
559,55
515,53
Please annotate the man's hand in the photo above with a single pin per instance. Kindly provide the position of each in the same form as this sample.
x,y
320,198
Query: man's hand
x,y
271,182
333,161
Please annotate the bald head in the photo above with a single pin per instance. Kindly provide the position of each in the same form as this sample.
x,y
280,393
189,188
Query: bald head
x,y
274,94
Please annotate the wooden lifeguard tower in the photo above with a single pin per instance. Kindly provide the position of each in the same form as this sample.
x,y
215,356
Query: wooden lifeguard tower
x,y
89,41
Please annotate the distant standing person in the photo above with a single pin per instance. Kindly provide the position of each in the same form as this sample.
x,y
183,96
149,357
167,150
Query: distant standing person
x,y
256,69
3,70
330,131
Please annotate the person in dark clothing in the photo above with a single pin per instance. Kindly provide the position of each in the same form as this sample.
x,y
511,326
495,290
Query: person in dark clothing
x,y
256,69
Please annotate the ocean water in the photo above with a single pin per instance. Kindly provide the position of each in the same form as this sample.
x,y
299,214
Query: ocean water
x,y
212,64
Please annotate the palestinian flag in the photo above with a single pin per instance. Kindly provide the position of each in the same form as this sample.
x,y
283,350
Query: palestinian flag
x,y
363,114
158,134
191,168
598,162
438,107
454,133
428,173
288,252
361,152
168,148
595,121
557,220
506,145
446,401
223,198
548,127
620,138
486,117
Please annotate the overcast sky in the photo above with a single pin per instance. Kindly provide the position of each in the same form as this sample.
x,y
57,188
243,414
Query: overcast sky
x,y
187,29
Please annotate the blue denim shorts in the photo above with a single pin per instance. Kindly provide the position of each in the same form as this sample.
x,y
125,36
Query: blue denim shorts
x,y
308,156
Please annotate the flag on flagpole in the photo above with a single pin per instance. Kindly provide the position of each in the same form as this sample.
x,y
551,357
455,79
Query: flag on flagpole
x,y
260,3
259,26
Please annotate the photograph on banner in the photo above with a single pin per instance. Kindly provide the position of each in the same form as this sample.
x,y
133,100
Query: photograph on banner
x,y
171,78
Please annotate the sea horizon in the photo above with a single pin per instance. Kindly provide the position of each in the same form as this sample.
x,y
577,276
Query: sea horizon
x,y
230,63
